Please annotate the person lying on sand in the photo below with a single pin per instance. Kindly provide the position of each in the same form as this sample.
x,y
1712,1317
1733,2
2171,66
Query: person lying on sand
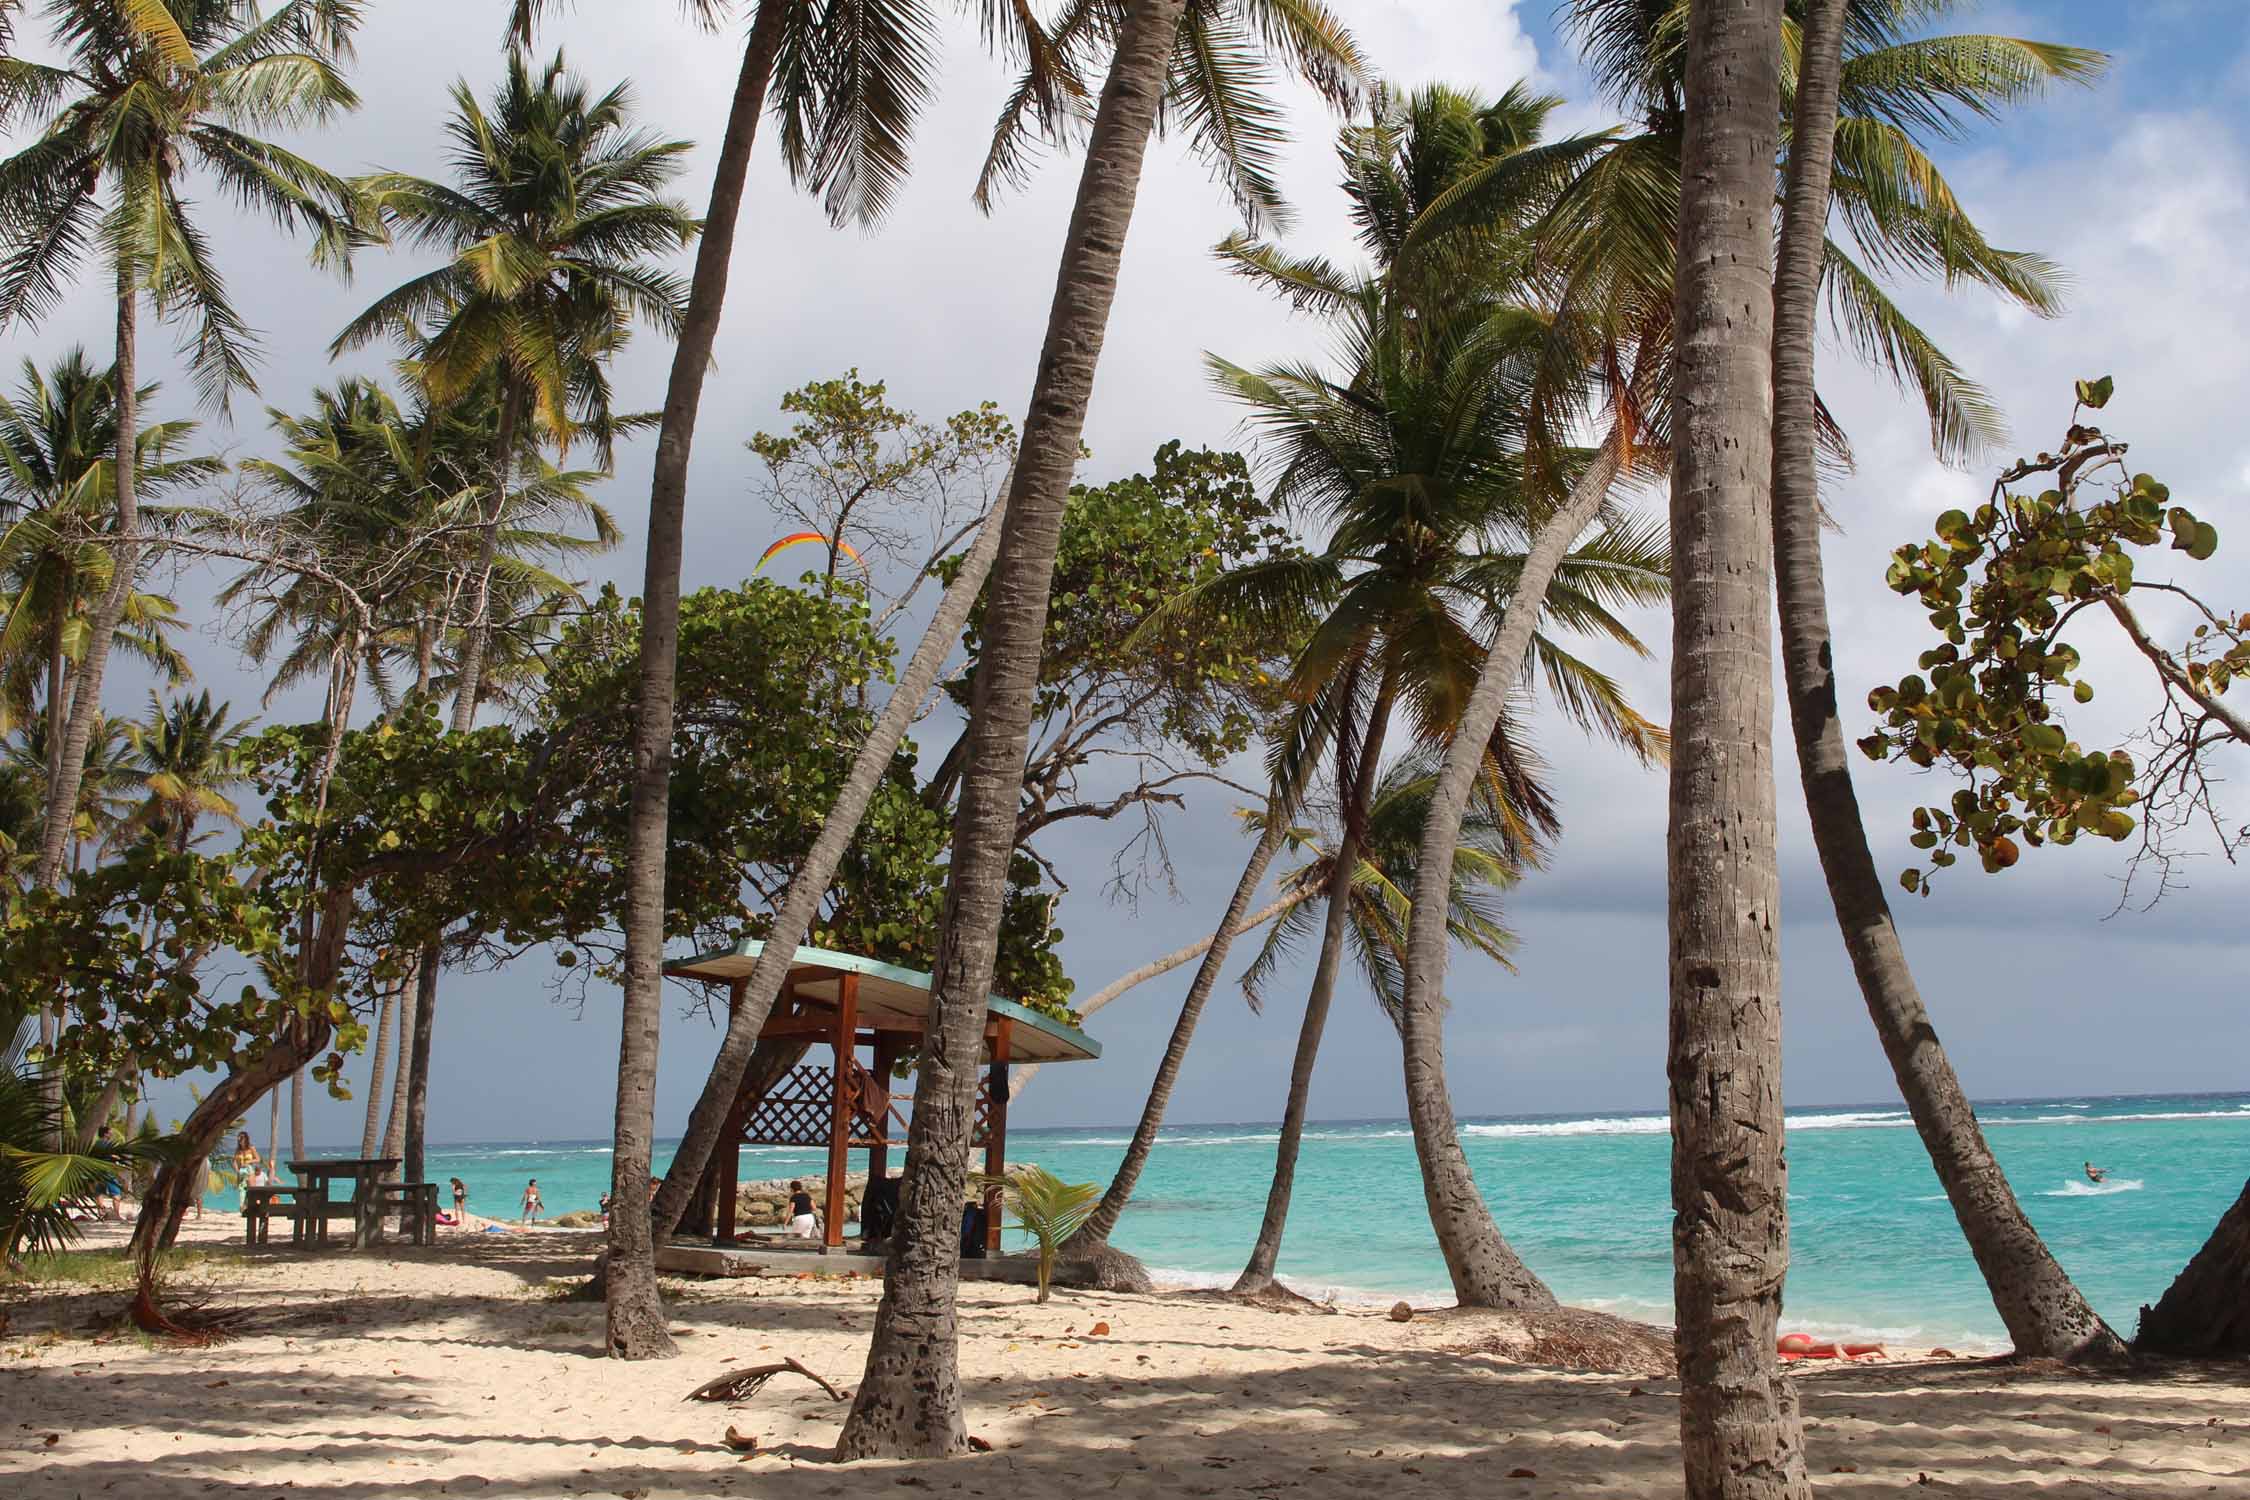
x,y
2094,1173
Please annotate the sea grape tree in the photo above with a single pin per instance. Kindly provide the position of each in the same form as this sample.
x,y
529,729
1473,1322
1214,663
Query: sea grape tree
x,y
2004,585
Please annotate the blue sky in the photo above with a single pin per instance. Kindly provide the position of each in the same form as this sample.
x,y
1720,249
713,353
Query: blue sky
x,y
2137,186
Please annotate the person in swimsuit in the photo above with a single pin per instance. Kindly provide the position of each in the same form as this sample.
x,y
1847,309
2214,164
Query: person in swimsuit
x,y
804,1224
2095,1174
532,1207
460,1199
246,1168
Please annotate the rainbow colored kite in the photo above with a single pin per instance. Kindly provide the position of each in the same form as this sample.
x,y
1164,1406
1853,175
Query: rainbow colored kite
x,y
797,537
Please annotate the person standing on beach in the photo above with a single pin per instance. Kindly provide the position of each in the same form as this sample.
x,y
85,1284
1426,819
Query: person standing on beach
x,y
246,1169
460,1199
532,1207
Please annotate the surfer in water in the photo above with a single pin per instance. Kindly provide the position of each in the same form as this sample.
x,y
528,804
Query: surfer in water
x,y
2096,1174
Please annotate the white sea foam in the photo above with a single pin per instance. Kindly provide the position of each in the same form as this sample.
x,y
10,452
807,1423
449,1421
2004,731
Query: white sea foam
x,y
1861,1119
2094,1189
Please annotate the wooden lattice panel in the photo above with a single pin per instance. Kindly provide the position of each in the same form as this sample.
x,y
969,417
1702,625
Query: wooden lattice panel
x,y
800,1108
982,1130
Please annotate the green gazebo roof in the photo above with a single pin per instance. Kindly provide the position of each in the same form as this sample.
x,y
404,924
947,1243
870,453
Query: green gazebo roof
x,y
891,998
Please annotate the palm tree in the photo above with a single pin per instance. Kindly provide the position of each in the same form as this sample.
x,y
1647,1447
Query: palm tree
x,y
189,754
110,781
1196,62
1739,1431
551,220
1497,841
1890,92
58,435
1440,267
847,80
1413,458
37,1183
182,759
148,90
1610,233
1046,1208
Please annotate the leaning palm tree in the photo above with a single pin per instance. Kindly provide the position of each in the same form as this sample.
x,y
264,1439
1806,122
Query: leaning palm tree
x,y
1498,839
552,220
1876,206
847,81
147,91
1609,242
1412,456
1200,65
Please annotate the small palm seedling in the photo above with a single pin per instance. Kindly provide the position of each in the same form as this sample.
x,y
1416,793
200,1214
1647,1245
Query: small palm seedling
x,y
1046,1208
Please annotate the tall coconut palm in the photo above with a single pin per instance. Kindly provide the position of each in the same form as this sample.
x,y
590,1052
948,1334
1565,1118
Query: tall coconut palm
x,y
1197,62
1739,1429
58,435
1609,239
552,221
148,92
1413,172
847,80
189,755
1371,921
1412,455
1866,100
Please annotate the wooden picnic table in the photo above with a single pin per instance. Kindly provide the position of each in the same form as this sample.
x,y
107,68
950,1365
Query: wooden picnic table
x,y
316,1195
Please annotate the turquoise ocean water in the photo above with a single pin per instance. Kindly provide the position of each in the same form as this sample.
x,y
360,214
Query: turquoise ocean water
x,y
1874,1247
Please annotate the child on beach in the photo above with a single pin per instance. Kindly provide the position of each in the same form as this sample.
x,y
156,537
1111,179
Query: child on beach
x,y
532,1207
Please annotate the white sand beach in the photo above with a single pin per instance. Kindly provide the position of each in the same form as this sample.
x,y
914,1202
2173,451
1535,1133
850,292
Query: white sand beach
x,y
458,1371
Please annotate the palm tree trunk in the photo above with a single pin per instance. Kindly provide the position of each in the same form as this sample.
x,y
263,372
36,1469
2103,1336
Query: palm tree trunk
x,y
1019,1077
1258,1275
2044,1312
810,883
1484,1267
1093,1238
2205,1313
414,1142
909,1400
1739,1430
93,663
273,1117
635,1311
1265,1253
394,1129
468,686
386,1034
297,1115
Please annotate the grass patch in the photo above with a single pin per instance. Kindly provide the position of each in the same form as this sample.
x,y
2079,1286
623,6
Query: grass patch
x,y
103,1270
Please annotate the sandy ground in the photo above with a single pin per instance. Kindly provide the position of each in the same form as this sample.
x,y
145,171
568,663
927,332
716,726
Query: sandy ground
x,y
456,1371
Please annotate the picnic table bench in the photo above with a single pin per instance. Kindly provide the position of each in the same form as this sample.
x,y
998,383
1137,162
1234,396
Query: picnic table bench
x,y
311,1207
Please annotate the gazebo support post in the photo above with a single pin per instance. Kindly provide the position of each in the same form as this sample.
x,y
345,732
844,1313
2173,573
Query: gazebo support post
x,y
840,1115
730,1160
879,1148
996,1133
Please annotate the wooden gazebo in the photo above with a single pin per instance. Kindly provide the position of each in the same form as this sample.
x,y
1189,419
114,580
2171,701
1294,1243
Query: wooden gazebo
x,y
853,1003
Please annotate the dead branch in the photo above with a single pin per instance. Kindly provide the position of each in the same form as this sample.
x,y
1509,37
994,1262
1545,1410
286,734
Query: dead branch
x,y
740,1385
